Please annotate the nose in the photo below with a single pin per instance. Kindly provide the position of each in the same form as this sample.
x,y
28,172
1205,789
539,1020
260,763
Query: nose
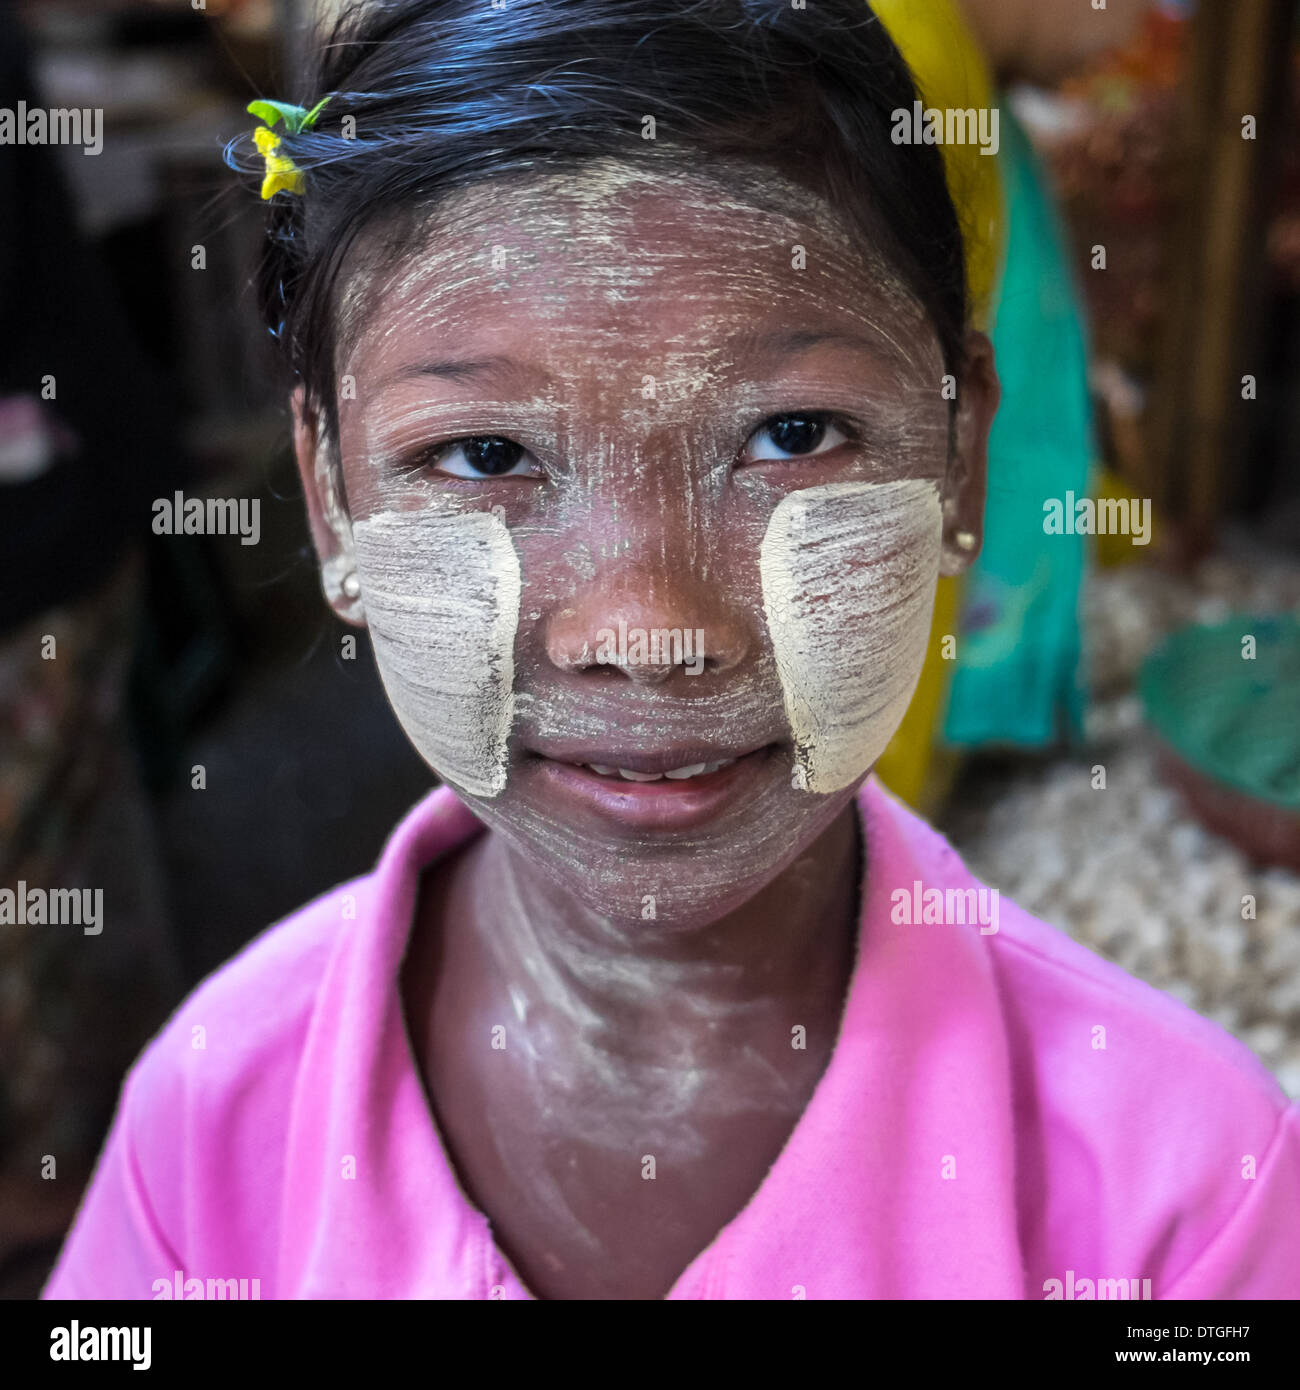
x,y
648,628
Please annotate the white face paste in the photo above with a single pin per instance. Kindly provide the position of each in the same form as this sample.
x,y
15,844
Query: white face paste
x,y
849,572
442,604
632,297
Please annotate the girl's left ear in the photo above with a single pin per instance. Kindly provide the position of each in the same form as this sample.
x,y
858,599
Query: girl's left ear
x,y
331,527
966,484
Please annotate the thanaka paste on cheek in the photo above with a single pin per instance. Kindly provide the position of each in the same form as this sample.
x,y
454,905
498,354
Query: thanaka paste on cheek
x,y
848,572
441,597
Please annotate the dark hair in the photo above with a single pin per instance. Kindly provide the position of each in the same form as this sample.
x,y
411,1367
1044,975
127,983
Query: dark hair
x,y
445,93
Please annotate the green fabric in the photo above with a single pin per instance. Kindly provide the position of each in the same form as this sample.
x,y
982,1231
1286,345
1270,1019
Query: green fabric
x,y
1224,698
1018,678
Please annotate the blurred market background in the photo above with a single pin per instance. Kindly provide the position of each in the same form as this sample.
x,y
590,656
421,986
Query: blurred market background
x,y
1141,250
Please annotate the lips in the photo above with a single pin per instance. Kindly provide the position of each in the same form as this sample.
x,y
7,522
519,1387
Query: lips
x,y
673,774
670,789
652,763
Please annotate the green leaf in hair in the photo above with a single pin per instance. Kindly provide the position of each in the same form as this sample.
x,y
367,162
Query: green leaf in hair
x,y
271,111
295,118
310,118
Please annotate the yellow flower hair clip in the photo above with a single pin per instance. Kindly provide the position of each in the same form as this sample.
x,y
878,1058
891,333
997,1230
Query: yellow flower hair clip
x,y
282,174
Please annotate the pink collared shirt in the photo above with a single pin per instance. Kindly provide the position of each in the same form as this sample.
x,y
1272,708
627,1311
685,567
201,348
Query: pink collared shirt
x,y
1003,1109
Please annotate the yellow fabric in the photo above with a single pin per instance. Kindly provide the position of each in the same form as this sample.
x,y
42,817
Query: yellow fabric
x,y
1114,549
950,72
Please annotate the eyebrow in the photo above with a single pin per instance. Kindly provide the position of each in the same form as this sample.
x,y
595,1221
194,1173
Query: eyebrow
x,y
458,369
790,342
768,346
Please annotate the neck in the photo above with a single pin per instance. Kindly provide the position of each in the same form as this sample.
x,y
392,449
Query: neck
x,y
630,1002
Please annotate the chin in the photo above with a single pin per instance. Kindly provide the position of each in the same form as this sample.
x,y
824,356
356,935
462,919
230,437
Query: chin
x,y
675,888
638,879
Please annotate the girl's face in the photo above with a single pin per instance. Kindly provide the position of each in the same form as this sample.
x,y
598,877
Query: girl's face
x,y
647,482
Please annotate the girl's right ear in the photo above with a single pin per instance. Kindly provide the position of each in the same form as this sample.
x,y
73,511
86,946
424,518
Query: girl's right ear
x,y
331,527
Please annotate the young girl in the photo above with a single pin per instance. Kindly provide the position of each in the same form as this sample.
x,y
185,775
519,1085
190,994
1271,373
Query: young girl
x,y
637,416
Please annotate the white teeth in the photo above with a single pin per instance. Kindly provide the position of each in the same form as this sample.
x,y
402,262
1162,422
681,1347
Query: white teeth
x,y
677,774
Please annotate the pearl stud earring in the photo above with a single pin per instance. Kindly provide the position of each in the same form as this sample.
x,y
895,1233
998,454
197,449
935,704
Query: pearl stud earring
x,y
351,585
965,540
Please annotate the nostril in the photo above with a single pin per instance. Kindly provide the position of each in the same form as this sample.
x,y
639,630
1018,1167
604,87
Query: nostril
x,y
648,675
621,635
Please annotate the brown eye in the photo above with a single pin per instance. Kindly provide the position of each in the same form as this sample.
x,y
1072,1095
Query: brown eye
x,y
793,436
487,456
